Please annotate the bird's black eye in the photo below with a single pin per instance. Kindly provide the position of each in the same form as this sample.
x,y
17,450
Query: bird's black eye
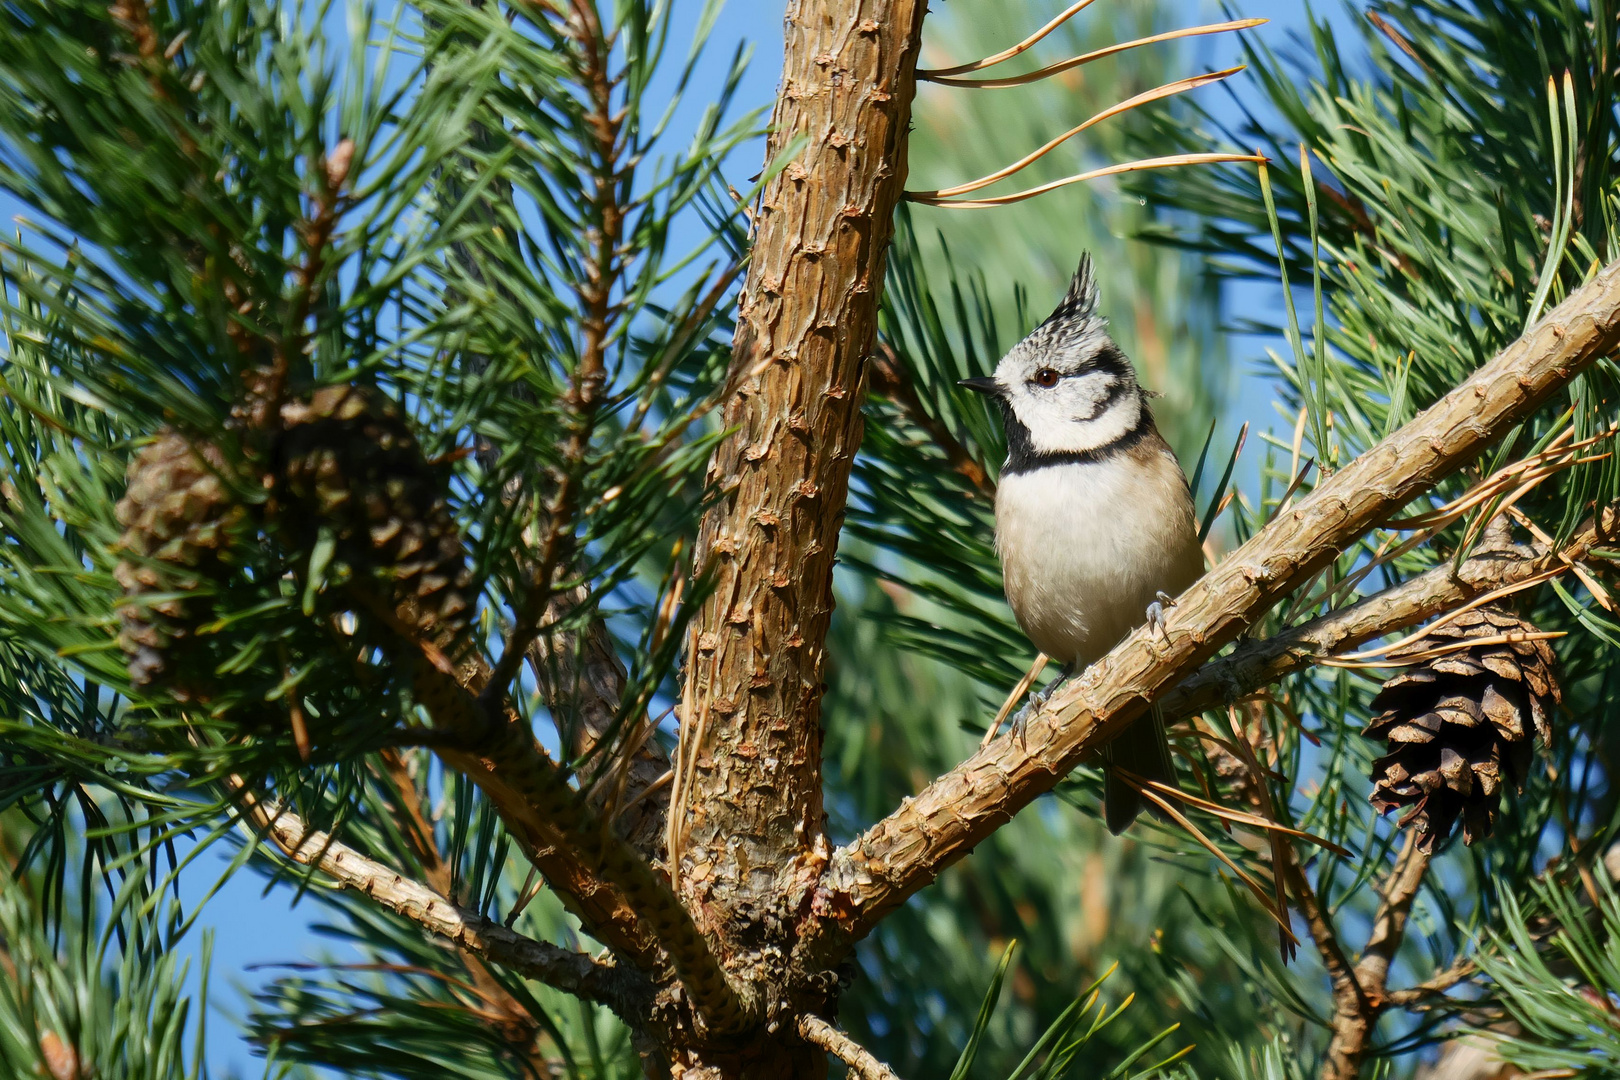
x,y
1046,377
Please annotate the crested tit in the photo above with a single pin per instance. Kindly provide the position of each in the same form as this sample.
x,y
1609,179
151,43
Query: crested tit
x,y
1094,519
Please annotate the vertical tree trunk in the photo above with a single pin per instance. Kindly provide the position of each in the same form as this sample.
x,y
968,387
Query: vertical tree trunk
x,y
749,819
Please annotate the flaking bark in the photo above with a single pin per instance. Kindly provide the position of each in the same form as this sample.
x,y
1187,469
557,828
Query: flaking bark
x,y
751,812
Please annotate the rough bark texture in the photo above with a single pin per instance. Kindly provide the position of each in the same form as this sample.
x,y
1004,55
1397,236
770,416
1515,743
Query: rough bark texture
x,y
907,850
751,814
1262,663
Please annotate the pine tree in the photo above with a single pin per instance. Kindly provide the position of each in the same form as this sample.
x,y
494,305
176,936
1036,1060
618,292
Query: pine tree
x,y
383,493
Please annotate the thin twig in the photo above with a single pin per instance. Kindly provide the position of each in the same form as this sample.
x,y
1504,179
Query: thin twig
x,y
1395,898
1356,1015
816,1031
552,820
565,969
1433,987
1348,999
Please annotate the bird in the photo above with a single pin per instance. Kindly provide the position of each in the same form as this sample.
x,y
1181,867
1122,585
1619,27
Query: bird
x,y
1095,526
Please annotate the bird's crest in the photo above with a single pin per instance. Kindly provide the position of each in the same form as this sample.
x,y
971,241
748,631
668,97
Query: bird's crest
x,y
1080,302
1076,313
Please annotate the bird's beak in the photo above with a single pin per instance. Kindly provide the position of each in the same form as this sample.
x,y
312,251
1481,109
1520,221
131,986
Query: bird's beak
x,y
982,385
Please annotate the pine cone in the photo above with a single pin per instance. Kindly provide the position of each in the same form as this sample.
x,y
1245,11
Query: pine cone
x,y
1462,724
349,462
178,518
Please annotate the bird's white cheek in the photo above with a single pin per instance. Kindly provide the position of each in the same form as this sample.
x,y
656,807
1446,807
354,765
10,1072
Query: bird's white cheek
x,y
1059,429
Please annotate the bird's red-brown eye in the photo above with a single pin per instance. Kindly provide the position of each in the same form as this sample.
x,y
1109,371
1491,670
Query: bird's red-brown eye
x,y
1046,377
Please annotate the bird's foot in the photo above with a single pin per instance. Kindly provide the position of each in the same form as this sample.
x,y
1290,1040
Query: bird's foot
x,y
1021,718
1036,702
1155,612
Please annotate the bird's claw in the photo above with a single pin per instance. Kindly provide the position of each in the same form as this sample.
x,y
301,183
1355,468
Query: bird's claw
x,y
1155,612
1032,706
1036,702
1021,719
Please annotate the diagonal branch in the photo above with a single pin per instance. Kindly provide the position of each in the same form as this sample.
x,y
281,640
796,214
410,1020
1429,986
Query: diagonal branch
x,y
904,852
1395,899
512,1018
605,881
1262,663
607,983
1356,1011
860,1061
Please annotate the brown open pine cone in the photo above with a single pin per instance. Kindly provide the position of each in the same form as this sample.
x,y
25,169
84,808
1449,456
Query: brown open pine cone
x,y
1462,724
346,462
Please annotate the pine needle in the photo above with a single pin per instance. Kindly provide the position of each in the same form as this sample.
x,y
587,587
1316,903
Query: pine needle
x,y
1086,58
1141,165
1170,89
1007,54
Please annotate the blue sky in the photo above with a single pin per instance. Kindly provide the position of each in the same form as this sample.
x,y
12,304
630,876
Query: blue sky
x,y
253,929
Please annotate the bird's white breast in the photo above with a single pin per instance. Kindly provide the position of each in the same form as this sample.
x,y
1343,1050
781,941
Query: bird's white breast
x,y
1084,548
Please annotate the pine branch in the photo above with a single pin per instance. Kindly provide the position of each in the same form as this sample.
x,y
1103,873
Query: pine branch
x,y
577,973
749,769
1400,606
1350,1004
1416,997
1359,996
588,381
860,1061
903,853
419,838
599,876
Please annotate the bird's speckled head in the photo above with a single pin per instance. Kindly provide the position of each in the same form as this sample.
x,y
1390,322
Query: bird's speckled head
x,y
1067,390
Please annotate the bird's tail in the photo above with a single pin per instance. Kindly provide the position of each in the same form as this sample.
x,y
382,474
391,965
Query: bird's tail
x,y
1142,748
